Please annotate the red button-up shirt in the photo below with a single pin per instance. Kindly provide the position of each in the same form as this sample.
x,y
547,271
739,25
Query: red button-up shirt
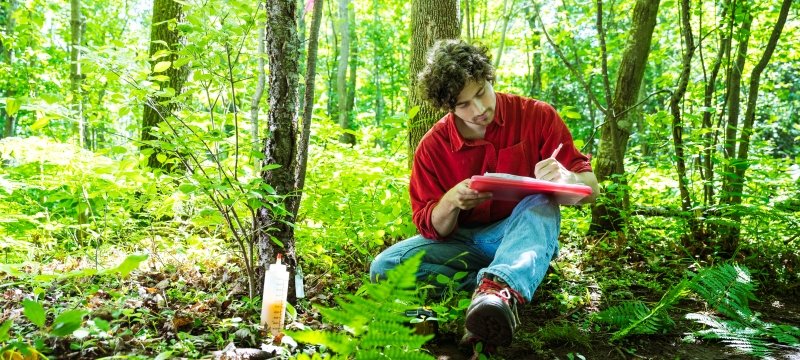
x,y
524,131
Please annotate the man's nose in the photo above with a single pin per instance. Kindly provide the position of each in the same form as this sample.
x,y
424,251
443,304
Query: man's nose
x,y
479,106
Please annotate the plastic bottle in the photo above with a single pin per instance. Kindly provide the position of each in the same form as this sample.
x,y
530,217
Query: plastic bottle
x,y
276,287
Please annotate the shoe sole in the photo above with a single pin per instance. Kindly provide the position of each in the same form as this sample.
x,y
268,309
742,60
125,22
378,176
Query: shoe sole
x,y
490,321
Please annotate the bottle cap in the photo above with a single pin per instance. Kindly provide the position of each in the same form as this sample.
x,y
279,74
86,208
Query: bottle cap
x,y
277,266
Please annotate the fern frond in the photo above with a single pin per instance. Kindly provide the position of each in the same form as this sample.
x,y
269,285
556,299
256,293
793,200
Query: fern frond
x,y
624,314
386,334
636,318
728,289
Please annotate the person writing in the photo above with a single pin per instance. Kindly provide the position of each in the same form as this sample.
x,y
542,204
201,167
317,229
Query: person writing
x,y
504,246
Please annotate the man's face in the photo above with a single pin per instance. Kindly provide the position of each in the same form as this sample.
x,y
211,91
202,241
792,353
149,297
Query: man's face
x,y
475,104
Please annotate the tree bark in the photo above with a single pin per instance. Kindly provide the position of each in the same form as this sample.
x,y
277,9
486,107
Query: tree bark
x,y
353,73
709,139
7,55
160,108
687,202
311,74
734,93
280,146
377,69
341,78
430,21
607,215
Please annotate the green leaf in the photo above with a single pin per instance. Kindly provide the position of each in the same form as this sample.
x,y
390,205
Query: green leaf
x,y
572,115
161,157
12,106
118,150
34,312
4,330
161,66
412,113
102,324
40,123
129,264
187,188
442,279
67,322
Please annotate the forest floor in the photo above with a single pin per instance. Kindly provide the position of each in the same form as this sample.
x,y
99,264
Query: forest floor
x,y
595,345
172,307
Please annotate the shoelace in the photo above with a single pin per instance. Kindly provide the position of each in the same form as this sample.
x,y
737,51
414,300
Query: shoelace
x,y
512,297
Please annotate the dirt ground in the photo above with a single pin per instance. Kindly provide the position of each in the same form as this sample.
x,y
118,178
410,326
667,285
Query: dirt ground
x,y
595,345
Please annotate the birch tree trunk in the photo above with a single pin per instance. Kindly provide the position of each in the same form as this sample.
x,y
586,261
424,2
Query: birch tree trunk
x,y
430,21
280,147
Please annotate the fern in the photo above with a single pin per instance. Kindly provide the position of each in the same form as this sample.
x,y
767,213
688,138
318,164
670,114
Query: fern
x,y
374,324
636,318
728,289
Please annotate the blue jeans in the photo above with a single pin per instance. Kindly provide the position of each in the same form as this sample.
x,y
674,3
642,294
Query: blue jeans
x,y
518,249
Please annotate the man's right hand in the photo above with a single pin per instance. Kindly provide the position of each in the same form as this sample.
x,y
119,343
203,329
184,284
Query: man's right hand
x,y
464,198
460,197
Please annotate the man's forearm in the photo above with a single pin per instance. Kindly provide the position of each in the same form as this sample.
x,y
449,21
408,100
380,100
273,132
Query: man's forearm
x,y
444,218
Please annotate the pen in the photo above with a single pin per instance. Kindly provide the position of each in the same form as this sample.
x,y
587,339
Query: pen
x,y
555,152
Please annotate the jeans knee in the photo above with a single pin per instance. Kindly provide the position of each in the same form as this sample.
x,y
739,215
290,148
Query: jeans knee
x,y
538,203
379,267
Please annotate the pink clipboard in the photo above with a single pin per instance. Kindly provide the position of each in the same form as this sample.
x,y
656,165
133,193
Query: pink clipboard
x,y
514,188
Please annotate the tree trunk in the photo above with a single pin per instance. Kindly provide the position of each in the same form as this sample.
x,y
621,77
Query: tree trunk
x,y
734,93
729,232
76,75
341,78
8,119
158,109
709,139
535,48
311,74
687,202
731,240
301,60
281,145
607,215
430,21
333,42
377,68
506,19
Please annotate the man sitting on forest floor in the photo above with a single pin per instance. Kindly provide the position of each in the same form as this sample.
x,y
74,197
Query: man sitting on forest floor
x,y
506,247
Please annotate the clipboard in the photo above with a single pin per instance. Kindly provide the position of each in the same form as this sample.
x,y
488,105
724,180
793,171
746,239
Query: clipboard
x,y
509,187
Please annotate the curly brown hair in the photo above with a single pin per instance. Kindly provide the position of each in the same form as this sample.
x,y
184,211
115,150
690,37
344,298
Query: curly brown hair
x,y
451,64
